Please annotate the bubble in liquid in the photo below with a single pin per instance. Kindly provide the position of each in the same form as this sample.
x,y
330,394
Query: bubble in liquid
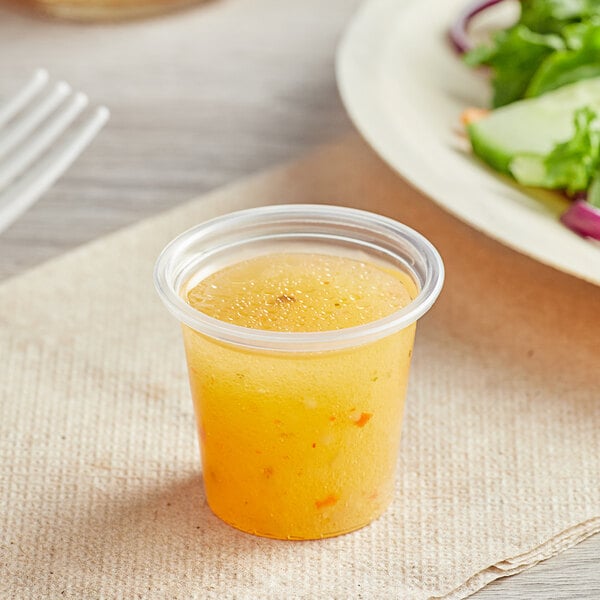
x,y
301,292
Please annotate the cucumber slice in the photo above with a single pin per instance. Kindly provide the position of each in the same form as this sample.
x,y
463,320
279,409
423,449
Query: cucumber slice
x,y
532,126
528,169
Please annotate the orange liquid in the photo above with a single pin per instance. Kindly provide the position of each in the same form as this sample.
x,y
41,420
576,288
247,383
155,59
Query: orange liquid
x,y
299,445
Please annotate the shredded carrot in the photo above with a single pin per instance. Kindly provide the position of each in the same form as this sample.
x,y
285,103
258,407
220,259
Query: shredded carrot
x,y
327,501
473,114
363,419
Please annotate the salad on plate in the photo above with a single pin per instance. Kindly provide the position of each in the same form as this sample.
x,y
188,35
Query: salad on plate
x,y
543,128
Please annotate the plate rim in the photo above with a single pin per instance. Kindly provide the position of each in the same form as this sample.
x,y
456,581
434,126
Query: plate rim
x,y
347,70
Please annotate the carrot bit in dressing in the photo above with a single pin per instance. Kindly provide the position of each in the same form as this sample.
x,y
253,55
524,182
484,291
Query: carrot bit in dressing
x,y
327,501
363,419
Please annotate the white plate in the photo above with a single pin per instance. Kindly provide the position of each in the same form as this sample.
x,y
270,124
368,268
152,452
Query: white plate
x,y
405,88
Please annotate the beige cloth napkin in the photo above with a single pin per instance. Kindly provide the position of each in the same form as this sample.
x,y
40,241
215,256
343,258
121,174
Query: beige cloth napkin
x,y
101,492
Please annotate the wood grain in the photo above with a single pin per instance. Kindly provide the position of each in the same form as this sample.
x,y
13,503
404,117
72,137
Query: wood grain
x,y
198,99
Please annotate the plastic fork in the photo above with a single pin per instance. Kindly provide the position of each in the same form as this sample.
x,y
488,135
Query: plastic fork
x,y
39,140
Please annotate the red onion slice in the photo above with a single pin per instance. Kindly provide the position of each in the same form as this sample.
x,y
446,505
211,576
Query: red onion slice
x,y
458,32
583,218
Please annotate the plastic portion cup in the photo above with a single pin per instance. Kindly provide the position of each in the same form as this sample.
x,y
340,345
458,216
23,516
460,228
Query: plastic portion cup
x,y
299,431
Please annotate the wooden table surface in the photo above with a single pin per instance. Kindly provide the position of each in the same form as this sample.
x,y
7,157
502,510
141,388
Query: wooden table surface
x,y
199,99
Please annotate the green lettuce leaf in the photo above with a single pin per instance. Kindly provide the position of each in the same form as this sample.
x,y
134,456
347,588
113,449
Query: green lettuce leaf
x,y
580,61
576,35
514,56
571,165
554,43
551,16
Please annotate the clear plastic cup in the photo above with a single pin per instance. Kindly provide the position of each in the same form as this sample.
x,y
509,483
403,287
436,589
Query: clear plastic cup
x,y
299,431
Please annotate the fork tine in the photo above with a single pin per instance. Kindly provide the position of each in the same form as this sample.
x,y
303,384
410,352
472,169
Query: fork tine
x,y
23,96
19,197
39,142
28,122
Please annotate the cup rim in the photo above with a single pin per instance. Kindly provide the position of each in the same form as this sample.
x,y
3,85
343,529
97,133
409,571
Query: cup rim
x,y
285,341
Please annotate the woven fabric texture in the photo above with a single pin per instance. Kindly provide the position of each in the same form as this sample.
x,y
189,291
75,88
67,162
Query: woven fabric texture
x,y
100,481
